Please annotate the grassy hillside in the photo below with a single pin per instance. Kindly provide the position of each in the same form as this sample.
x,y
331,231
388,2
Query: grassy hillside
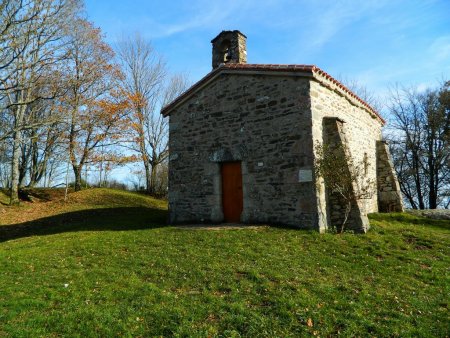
x,y
104,264
90,209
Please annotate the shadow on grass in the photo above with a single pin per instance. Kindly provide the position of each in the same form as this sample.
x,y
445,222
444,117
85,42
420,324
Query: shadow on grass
x,y
106,219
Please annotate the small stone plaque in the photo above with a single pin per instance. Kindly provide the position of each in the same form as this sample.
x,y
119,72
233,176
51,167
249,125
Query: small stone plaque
x,y
305,175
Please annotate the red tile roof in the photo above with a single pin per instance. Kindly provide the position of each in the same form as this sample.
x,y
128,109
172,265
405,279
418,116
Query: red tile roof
x,y
311,70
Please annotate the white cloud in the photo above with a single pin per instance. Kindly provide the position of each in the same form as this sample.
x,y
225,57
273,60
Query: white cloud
x,y
423,86
201,14
319,22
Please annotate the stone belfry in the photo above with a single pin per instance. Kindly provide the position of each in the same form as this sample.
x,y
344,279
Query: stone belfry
x,y
229,47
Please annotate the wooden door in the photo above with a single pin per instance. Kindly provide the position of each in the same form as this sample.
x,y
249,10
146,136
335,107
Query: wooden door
x,y
232,200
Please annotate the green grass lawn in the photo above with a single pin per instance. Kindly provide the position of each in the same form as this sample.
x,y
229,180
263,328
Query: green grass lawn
x,y
105,264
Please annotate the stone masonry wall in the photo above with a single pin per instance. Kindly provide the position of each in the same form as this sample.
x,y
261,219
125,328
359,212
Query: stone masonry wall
x,y
263,121
335,137
362,133
389,195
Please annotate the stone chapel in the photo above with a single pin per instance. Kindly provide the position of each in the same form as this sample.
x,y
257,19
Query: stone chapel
x,y
242,142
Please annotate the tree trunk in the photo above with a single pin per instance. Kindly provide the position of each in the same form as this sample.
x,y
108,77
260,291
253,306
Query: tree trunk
x,y
432,182
148,178
77,173
34,167
416,169
432,198
100,174
14,198
23,164
153,178
432,194
348,208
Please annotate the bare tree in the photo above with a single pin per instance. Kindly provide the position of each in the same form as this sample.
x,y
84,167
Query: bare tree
x,y
420,144
44,144
14,15
31,44
147,82
363,92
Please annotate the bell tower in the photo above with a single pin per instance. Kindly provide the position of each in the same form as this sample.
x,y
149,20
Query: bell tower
x,y
229,47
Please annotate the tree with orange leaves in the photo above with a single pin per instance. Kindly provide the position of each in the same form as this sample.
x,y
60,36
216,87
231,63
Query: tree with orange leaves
x,y
96,108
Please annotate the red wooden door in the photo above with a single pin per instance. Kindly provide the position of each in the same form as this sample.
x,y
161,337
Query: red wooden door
x,y
232,201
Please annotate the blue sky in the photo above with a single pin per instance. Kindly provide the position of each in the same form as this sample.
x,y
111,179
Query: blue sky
x,y
378,43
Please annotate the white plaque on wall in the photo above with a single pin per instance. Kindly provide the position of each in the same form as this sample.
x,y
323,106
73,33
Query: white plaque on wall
x,y
305,175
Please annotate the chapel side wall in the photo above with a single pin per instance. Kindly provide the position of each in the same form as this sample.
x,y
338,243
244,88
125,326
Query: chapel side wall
x,y
263,121
362,131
